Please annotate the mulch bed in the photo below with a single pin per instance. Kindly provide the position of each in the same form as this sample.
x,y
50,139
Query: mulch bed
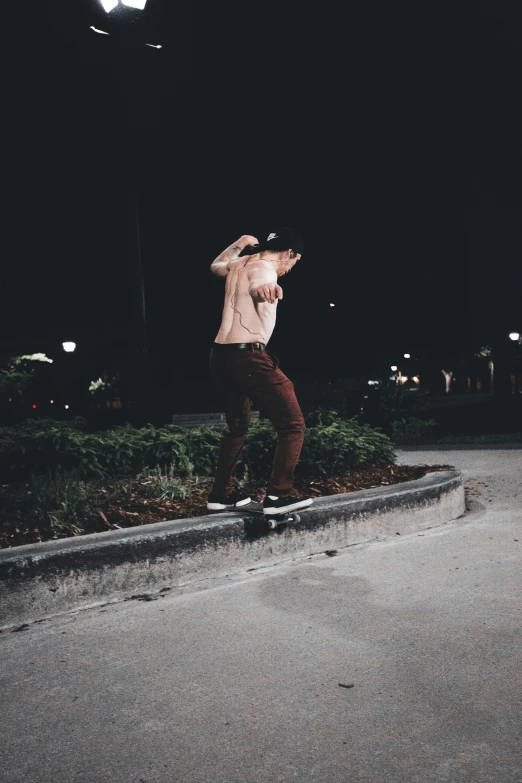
x,y
131,509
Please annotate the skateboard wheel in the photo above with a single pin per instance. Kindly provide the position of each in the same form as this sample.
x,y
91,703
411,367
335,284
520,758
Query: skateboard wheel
x,y
272,524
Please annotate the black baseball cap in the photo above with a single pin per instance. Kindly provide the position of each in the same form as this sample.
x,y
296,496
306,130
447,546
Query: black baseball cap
x,y
281,238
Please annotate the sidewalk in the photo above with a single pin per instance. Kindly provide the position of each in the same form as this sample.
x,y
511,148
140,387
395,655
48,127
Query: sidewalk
x,y
241,680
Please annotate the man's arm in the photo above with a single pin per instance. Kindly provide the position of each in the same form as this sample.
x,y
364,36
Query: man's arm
x,y
220,264
263,286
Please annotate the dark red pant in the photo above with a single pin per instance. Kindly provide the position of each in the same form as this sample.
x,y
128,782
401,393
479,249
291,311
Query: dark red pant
x,y
251,374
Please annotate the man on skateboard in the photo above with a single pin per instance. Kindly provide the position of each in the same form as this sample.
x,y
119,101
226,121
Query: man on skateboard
x,y
243,371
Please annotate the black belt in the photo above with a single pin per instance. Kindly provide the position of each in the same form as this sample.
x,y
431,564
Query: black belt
x,y
236,346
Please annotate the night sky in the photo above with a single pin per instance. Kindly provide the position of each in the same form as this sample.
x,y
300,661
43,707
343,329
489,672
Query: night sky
x,y
389,138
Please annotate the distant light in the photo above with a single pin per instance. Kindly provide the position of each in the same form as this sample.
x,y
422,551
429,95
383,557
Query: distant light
x,y
155,46
331,304
51,401
365,396
135,3
34,406
373,383
393,367
415,378
514,336
98,31
108,5
66,407
69,347
406,355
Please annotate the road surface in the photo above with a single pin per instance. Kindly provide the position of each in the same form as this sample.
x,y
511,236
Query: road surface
x,y
390,662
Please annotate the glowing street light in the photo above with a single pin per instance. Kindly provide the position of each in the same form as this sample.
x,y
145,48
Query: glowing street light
x,y
406,355
121,17
110,5
514,336
393,367
69,347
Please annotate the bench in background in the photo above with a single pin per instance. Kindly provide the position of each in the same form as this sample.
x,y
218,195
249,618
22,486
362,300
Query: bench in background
x,y
203,419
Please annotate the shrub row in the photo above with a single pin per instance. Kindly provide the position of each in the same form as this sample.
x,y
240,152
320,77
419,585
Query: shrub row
x,y
42,446
411,428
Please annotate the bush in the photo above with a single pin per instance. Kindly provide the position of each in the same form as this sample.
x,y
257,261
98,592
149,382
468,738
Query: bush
x,y
339,446
38,446
202,446
395,403
42,446
163,485
321,416
412,428
64,502
258,455
342,445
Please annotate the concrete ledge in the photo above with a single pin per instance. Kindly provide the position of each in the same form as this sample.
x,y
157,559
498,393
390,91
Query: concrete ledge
x,y
53,577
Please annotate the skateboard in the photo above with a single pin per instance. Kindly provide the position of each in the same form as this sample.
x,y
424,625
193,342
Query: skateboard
x,y
260,521
272,520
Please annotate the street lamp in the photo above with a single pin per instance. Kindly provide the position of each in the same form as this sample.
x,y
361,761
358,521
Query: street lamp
x,y
406,355
124,24
66,383
110,5
516,337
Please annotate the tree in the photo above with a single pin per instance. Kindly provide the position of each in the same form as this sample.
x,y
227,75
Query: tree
x,y
105,389
18,375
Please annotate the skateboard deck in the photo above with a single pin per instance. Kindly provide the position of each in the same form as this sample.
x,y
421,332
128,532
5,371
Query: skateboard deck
x,y
270,521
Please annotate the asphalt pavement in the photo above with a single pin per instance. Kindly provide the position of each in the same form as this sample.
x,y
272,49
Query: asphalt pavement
x,y
395,661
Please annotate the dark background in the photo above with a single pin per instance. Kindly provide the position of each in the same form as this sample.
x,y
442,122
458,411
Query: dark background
x,y
389,136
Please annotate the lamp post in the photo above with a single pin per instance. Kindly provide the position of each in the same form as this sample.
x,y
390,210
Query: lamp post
x,y
139,370
125,26
516,337
69,347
